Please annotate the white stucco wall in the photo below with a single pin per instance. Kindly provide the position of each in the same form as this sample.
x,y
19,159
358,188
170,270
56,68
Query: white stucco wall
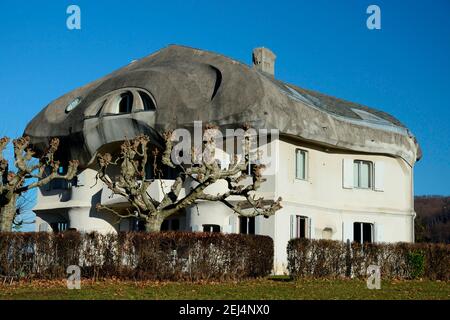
x,y
321,197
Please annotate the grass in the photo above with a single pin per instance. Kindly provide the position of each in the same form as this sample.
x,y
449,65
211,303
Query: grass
x,y
269,288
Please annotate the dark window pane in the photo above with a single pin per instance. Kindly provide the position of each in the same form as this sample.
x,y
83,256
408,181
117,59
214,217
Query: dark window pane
x,y
165,225
211,228
175,225
126,102
302,231
357,232
148,103
141,225
251,225
243,225
54,226
58,226
367,232
149,174
300,227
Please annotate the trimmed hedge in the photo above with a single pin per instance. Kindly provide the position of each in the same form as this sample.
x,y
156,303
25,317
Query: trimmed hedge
x,y
327,258
146,256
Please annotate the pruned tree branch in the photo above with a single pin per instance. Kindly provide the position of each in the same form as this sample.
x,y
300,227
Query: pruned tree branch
x,y
132,185
13,183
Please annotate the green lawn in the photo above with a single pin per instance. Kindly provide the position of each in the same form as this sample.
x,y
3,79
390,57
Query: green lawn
x,y
278,288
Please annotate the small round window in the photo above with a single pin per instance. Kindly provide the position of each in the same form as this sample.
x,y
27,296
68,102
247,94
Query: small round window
x,y
73,104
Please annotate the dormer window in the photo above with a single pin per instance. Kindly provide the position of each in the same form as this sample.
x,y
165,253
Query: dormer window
x,y
121,102
126,102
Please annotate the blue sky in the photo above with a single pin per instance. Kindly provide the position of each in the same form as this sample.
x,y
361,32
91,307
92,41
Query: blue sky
x,y
403,69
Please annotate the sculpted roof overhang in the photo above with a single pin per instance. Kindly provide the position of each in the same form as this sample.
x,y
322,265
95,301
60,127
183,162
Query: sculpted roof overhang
x,y
189,85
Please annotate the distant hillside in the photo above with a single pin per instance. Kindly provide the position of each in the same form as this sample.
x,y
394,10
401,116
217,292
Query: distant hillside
x,y
433,219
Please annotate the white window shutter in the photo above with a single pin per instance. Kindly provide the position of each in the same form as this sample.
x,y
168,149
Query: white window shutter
x,y
232,224
347,231
379,176
347,173
258,222
379,230
312,233
292,226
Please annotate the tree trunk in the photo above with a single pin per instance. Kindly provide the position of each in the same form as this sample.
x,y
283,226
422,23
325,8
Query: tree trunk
x,y
7,215
153,224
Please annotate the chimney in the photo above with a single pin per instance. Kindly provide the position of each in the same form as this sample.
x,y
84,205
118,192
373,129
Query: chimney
x,y
264,60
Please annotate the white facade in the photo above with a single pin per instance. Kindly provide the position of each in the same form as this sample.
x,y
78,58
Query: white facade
x,y
320,201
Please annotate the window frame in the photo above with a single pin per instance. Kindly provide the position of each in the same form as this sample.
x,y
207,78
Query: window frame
x,y
370,178
129,95
361,235
305,164
299,218
250,225
140,107
108,104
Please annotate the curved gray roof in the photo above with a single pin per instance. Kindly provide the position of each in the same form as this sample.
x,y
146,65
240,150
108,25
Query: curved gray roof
x,y
189,84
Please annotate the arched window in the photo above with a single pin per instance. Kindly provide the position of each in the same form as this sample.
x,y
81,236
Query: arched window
x,y
147,102
126,102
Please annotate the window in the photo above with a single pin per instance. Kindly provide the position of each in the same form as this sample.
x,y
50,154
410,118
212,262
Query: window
x,y
147,102
362,232
247,225
170,225
301,227
149,172
62,170
58,226
136,225
60,184
211,228
73,104
126,102
362,174
175,225
300,164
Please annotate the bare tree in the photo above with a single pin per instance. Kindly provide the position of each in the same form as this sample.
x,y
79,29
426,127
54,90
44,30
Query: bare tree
x,y
13,183
24,214
132,185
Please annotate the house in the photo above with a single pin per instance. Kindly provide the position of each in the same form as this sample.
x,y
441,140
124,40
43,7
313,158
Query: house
x,y
344,171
